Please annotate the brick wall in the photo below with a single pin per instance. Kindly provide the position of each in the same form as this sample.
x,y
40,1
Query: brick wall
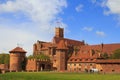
x,y
31,65
109,68
4,66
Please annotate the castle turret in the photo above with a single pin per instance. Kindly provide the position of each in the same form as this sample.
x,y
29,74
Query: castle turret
x,y
59,32
61,53
17,56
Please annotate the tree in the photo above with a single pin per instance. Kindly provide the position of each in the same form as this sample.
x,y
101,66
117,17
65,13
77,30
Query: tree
x,y
116,54
105,56
4,58
23,64
39,56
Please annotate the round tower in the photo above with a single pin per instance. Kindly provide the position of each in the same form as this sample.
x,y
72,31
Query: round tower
x,y
17,56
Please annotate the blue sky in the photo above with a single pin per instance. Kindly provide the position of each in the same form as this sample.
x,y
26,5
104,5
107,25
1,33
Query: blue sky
x,y
92,16
24,22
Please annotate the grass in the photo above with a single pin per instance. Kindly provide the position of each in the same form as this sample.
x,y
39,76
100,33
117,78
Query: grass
x,y
57,76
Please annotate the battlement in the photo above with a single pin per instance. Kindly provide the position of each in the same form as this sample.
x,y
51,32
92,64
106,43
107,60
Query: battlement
x,y
40,60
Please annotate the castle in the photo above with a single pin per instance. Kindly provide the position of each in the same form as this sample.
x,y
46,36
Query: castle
x,y
67,55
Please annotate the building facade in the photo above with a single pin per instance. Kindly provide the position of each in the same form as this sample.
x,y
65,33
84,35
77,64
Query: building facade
x,y
76,56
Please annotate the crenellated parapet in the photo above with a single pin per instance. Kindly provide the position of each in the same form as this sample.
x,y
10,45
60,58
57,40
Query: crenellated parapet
x,y
38,60
38,64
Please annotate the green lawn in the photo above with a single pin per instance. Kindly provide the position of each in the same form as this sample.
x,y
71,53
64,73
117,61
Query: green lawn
x,y
57,76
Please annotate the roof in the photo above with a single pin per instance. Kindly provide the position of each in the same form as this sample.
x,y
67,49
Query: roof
x,y
68,41
81,60
45,45
108,61
18,50
86,51
105,48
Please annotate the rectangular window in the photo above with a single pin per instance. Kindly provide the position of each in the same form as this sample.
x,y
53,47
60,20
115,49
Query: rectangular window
x,y
79,64
74,64
90,64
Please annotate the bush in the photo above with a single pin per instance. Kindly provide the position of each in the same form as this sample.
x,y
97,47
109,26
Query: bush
x,y
116,54
40,56
4,58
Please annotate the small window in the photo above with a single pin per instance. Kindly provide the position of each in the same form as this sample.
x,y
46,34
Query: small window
x,y
79,64
113,70
75,59
90,64
101,70
80,59
79,69
74,64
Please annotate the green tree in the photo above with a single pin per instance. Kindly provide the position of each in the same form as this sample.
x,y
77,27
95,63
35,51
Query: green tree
x,y
116,54
105,56
39,56
4,58
23,64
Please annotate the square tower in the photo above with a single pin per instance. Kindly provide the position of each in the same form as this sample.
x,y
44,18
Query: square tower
x,y
59,32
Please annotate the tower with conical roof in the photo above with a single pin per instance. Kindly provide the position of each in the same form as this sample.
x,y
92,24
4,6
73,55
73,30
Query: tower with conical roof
x,y
17,56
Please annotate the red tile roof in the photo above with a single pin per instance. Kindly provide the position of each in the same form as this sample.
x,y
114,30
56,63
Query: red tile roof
x,y
109,61
86,53
108,48
82,60
18,50
68,41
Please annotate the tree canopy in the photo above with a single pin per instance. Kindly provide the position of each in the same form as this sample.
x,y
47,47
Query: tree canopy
x,y
104,55
116,54
4,58
39,56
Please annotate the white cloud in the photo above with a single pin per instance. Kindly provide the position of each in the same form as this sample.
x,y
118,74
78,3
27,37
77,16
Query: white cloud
x,y
114,6
41,14
9,38
100,33
79,8
40,11
110,7
87,28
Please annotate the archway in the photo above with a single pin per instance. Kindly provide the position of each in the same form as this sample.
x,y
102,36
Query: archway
x,y
42,67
